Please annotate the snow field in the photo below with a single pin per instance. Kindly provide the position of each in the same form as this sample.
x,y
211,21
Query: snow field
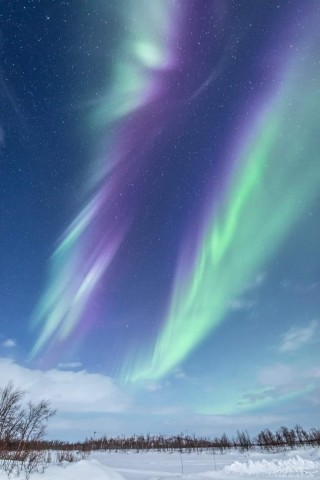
x,y
206,466
282,468
188,466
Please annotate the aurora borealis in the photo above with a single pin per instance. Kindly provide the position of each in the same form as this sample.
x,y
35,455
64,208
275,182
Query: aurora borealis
x,y
83,255
256,200
162,203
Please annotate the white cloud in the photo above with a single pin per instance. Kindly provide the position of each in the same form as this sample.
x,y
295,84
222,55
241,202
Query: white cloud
x,y
277,375
315,372
180,375
242,304
8,343
258,281
68,427
69,365
281,374
280,380
298,337
152,386
245,301
219,424
169,410
67,391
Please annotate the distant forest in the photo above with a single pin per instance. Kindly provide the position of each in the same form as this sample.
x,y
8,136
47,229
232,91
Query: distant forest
x,y
283,438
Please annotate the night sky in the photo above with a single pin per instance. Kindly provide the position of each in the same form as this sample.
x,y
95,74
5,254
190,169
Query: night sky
x,y
160,201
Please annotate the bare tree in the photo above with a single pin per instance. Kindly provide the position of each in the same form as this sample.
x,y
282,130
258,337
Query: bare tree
x,y
21,429
34,421
10,412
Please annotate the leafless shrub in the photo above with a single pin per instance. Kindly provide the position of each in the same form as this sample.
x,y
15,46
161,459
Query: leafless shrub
x,y
70,456
243,441
21,430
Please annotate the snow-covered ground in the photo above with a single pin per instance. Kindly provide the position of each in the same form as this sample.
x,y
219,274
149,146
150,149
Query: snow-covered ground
x,y
188,466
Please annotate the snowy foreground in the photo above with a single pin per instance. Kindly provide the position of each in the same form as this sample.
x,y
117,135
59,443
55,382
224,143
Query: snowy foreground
x,y
191,466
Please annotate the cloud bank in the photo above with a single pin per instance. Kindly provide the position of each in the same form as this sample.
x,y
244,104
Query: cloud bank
x,y
68,391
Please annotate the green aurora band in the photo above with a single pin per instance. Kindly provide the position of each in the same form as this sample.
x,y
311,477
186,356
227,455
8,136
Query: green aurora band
x,y
274,181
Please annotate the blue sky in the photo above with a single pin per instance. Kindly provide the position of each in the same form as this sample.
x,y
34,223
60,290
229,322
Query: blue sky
x,y
159,249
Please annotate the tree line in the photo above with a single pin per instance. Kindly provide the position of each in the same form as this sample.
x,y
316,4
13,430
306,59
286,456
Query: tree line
x,y
282,438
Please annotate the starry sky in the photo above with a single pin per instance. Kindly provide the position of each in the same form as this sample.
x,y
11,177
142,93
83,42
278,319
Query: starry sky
x,y
160,201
